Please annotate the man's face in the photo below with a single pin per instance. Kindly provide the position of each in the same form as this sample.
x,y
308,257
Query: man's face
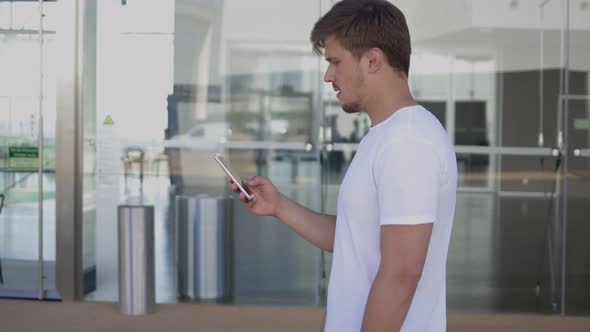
x,y
345,74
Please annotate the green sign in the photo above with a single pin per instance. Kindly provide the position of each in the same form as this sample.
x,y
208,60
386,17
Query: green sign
x,y
23,157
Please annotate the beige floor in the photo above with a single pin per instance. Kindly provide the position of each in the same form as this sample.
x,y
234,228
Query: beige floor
x,y
18,315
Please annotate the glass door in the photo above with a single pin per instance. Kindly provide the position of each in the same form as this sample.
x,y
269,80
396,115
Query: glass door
x,y
574,119
494,81
578,197
177,81
576,115
27,149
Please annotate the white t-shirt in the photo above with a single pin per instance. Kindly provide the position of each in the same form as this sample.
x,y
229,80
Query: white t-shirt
x,y
404,173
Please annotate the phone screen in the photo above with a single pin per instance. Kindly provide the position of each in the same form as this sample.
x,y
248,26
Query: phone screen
x,y
232,174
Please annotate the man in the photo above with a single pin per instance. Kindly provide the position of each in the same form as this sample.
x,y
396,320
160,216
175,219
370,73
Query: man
x,y
396,204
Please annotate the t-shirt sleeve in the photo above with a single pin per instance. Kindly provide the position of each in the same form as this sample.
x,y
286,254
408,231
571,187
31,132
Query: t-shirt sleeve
x,y
407,176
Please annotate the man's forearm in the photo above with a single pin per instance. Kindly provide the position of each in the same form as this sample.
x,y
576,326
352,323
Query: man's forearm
x,y
388,303
317,228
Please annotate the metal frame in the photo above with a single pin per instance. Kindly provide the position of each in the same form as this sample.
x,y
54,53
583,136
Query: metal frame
x,y
40,141
69,153
565,123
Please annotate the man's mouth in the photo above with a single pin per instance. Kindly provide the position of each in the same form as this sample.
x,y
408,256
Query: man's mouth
x,y
337,90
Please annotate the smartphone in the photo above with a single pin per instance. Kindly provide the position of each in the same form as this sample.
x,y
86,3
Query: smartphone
x,y
232,175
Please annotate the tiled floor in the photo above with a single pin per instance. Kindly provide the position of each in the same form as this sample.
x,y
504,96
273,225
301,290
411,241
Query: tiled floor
x,y
105,317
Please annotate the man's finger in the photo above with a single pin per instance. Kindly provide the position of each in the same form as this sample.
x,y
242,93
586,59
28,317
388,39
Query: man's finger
x,y
254,181
243,197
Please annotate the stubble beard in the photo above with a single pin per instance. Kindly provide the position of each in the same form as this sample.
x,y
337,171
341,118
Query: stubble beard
x,y
351,108
354,107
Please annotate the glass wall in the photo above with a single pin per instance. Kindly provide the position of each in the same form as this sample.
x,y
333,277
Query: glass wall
x,y
494,74
502,69
27,101
168,83
176,81
576,104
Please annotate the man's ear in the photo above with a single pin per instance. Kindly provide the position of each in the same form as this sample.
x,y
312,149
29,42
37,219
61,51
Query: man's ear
x,y
375,59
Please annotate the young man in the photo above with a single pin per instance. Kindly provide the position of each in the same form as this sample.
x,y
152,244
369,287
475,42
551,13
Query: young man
x,y
396,204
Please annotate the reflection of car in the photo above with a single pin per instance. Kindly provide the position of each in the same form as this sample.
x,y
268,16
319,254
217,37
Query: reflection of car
x,y
266,115
278,127
202,135
196,131
211,130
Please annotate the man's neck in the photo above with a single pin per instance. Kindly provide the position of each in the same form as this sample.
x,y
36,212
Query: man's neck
x,y
388,100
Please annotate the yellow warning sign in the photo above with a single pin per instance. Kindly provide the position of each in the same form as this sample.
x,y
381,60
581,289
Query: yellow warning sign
x,y
108,121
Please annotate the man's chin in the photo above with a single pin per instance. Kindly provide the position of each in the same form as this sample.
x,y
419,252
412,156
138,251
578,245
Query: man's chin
x,y
348,108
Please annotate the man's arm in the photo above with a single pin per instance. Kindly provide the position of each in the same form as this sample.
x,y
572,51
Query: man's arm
x,y
317,228
403,253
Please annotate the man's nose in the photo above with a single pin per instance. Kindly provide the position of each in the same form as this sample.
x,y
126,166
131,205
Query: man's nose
x,y
328,77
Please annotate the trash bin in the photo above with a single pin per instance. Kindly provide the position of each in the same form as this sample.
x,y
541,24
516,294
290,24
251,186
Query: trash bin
x,y
205,236
136,259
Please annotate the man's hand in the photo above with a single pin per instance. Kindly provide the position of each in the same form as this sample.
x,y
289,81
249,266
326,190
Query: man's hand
x,y
317,228
266,196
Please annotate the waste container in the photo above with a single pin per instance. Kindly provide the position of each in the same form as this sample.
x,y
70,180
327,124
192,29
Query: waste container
x,y
136,259
205,235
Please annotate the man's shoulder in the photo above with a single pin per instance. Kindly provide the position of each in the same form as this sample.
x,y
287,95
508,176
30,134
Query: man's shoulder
x,y
418,135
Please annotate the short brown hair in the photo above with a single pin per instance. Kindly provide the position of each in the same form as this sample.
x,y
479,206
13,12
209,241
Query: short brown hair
x,y
360,25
